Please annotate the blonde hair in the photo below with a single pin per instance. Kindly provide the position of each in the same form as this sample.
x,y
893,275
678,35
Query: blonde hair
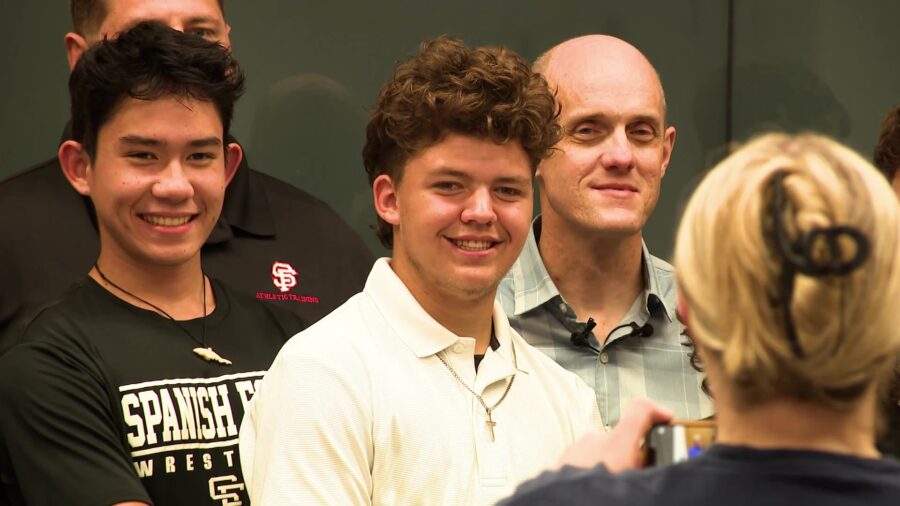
x,y
729,266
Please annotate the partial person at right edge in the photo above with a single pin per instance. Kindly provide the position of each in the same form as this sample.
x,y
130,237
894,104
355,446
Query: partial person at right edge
x,y
586,290
273,241
785,256
887,160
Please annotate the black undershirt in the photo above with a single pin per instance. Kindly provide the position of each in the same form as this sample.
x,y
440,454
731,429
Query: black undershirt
x,y
494,345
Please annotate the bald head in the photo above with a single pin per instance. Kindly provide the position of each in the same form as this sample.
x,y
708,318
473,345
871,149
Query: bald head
x,y
596,57
613,117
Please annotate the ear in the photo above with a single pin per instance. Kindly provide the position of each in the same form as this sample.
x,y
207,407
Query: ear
x,y
233,156
668,146
538,175
75,47
75,164
387,206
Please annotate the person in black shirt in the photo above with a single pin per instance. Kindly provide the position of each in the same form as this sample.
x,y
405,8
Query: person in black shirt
x,y
785,256
131,388
272,241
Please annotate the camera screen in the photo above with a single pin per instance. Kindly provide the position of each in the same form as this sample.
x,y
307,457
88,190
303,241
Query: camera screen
x,y
675,443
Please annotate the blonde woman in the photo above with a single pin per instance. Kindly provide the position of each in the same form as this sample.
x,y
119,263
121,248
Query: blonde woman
x,y
788,270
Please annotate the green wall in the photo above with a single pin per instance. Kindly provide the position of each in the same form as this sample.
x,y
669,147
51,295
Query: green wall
x,y
314,68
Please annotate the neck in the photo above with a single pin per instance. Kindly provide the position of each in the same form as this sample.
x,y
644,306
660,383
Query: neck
x,y
174,289
469,316
462,317
800,425
598,275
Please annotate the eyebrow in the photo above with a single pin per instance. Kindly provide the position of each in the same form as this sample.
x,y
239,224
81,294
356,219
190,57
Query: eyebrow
x,y
188,22
152,142
449,171
640,118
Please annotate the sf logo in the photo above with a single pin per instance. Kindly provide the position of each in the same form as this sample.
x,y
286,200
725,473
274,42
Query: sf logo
x,y
284,276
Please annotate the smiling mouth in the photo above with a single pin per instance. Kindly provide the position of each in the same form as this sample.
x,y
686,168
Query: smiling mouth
x,y
619,188
166,221
474,245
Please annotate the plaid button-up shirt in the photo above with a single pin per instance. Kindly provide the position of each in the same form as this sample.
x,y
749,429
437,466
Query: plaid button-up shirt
x,y
628,366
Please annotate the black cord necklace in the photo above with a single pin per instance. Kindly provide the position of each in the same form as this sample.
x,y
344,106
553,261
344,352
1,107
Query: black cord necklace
x,y
204,351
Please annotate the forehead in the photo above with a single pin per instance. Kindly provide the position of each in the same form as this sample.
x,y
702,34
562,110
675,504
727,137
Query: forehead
x,y
472,157
168,119
122,14
613,88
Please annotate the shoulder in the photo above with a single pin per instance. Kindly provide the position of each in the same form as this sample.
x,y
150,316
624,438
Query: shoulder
x,y
285,196
552,376
30,177
58,320
342,333
243,305
308,218
43,185
582,486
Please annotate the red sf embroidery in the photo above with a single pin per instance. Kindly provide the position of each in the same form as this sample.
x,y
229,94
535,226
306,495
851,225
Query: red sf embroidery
x,y
284,276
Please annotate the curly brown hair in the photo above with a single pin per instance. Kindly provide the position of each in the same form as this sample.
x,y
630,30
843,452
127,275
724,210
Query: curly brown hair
x,y
487,92
887,150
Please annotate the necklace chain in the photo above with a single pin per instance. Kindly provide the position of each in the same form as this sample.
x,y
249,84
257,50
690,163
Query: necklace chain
x,y
488,410
202,341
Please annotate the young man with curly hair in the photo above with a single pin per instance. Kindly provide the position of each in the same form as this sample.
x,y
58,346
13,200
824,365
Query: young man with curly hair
x,y
417,391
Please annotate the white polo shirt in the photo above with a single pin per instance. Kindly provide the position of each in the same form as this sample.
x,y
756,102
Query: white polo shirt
x,y
358,410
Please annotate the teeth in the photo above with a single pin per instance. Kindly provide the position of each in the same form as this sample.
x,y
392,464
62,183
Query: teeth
x,y
473,245
166,221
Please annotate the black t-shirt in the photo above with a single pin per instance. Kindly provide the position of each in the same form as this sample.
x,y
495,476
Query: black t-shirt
x,y
105,402
726,475
273,242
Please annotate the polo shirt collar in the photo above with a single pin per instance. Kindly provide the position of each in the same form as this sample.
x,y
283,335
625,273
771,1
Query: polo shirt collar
x,y
417,329
533,286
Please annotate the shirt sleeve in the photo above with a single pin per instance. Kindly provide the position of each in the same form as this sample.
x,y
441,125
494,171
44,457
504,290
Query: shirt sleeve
x,y
59,433
307,435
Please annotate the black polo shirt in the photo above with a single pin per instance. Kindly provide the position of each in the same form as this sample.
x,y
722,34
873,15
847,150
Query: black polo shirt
x,y
273,241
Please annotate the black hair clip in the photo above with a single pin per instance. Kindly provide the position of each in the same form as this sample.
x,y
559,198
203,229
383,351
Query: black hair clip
x,y
798,255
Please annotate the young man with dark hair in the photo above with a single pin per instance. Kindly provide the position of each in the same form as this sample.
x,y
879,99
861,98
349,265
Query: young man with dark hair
x,y
417,391
272,240
130,389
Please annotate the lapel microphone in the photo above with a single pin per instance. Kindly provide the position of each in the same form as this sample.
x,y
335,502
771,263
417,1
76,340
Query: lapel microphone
x,y
581,339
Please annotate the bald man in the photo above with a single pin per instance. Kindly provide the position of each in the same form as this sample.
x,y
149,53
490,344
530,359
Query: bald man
x,y
585,290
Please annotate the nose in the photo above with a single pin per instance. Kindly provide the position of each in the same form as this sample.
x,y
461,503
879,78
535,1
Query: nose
x,y
479,208
173,184
617,152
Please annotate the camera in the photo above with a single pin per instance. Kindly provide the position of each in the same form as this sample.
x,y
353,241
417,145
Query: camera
x,y
679,440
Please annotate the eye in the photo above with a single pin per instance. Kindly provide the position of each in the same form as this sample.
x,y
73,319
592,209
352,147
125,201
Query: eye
x,y
202,156
447,186
587,131
509,192
206,33
642,132
141,155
